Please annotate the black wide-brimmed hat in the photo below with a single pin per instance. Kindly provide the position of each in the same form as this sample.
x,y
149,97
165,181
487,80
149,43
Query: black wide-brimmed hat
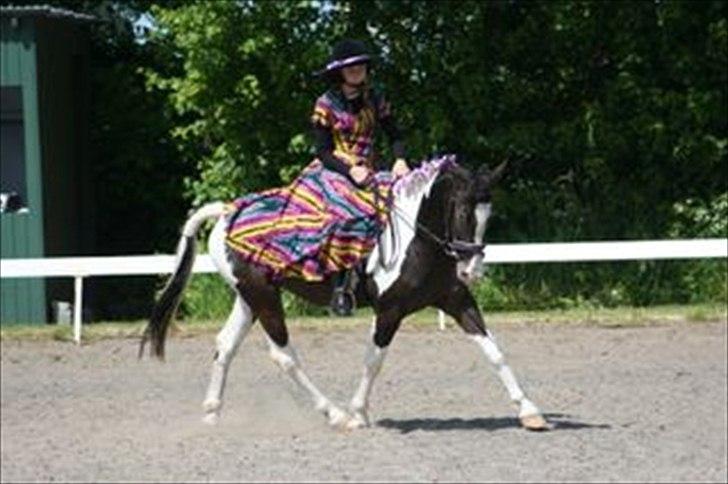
x,y
347,52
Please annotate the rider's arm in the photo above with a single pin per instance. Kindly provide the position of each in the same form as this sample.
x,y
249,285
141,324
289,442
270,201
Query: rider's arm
x,y
324,144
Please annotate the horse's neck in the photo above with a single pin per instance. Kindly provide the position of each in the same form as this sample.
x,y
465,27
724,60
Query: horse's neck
x,y
422,187
385,263
433,209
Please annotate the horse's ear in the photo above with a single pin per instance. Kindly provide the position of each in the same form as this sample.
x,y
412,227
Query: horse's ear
x,y
498,173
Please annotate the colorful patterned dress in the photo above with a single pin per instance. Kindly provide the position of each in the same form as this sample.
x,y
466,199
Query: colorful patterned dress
x,y
322,222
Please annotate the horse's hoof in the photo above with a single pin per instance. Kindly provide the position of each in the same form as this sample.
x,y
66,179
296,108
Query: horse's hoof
x,y
358,421
211,418
534,422
337,417
211,406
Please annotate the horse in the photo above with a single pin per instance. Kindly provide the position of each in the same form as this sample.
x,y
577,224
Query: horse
x,y
427,256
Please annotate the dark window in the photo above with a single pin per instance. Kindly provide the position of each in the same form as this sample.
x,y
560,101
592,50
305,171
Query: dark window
x,y
12,150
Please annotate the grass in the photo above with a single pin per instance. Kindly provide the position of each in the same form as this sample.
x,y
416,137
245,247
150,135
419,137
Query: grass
x,y
604,317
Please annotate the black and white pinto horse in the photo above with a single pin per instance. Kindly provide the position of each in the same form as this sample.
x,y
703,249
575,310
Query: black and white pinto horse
x,y
434,250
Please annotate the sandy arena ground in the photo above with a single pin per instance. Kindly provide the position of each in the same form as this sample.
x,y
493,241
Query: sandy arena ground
x,y
627,404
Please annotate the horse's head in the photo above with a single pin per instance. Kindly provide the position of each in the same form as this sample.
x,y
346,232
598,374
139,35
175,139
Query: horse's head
x,y
466,216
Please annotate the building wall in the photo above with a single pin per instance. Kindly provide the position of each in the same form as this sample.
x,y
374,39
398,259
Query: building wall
x,y
23,300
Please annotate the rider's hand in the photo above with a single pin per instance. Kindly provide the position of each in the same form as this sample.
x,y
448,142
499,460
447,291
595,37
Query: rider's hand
x,y
400,168
359,174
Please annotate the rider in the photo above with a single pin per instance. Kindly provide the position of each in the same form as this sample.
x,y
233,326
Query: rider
x,y
345,120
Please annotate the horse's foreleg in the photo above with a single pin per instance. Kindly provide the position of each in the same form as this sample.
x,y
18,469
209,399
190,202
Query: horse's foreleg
x,y
360,401
462,307
529,415
384,327
228,340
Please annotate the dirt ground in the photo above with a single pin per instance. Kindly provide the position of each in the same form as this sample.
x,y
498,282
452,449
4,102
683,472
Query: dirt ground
x,y
627,404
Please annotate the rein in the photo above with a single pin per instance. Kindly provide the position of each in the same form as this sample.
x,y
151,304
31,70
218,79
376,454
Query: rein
x,y
457,249
454,248
377,198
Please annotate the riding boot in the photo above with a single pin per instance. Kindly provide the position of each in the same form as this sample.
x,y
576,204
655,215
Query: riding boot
x,y
343,301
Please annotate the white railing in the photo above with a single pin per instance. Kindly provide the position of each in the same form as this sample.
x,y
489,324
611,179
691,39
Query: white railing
x,y
82,267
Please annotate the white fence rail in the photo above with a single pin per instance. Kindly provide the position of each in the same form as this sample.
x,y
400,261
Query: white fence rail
x,y
81,267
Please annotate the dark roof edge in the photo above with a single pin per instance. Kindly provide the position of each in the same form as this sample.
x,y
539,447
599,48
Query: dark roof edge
x,y
44,11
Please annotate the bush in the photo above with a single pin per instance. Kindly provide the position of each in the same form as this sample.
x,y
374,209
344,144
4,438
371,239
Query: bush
x,y
705,280
610,118
295,306
207,297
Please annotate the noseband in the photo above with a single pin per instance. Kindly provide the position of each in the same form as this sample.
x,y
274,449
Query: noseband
x,y
461,250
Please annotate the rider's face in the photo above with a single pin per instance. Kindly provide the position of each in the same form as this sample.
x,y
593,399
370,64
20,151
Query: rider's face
x,y
355,74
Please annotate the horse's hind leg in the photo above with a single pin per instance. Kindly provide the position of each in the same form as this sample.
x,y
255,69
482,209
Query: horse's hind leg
x,y
462,307
228,340
283,353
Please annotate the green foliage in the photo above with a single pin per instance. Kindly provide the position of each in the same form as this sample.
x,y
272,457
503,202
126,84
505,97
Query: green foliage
x,y
703,281
615,114
238,84
491,294
295,306
697,219
207,297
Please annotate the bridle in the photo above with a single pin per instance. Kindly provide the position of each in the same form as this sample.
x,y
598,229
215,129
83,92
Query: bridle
x,y
460,250
457,249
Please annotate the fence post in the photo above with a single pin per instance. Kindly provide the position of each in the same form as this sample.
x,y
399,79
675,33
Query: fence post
x,y
441,317
77,308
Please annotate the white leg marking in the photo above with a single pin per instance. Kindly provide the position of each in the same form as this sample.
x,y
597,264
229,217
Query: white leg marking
x,y
360,402
504,372
527,411
287,359
228,340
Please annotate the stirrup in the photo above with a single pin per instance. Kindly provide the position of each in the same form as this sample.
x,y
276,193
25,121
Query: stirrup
x,y
343,301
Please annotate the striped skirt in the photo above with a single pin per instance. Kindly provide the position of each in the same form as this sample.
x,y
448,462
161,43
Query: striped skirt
x,y
318,225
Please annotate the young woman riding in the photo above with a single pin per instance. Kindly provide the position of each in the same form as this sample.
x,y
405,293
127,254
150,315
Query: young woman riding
x,y
327,221
345,121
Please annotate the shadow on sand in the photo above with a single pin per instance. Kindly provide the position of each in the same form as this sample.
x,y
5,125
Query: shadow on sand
x,y
558,421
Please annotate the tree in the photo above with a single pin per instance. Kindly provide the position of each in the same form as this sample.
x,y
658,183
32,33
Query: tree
x,y
613,112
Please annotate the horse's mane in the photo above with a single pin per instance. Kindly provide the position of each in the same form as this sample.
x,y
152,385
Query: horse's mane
x,y
419,178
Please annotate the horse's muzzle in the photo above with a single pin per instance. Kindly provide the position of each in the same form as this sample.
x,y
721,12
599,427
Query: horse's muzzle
x,y
469,257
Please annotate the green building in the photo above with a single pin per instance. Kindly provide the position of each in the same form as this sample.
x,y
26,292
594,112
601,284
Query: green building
x,y
44,79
